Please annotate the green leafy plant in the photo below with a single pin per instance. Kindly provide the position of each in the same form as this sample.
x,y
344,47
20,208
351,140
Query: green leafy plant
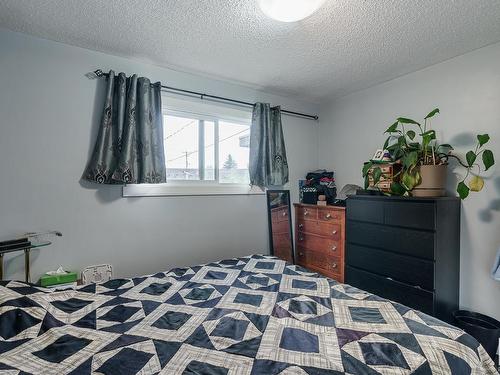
x,y
413,144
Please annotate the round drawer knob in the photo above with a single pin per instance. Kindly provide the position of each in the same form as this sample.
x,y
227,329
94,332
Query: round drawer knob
x,y
334,265
301,238
334,232
328,216
284,213
334,248
301,254
306,213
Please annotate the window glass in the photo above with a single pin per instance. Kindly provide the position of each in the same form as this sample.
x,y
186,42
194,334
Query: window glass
x,y
233,153
199,147
209,150
181,147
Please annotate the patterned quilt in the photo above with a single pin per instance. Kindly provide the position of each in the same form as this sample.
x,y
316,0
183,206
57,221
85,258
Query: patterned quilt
x,y
252,315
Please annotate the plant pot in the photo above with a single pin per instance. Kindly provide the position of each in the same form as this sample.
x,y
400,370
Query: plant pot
x,y
433,181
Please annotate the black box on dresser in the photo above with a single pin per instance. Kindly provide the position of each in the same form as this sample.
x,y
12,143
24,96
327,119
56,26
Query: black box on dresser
x,y
406,250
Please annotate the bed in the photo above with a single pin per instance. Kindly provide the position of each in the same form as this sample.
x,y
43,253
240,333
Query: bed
x,y
251,315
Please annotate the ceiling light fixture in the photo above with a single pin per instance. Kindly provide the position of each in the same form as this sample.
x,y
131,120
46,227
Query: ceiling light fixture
x,y
289,10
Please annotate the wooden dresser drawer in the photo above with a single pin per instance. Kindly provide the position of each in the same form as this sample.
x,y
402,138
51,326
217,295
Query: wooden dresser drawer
x,y
307,213
320,244
410,296
413,271
419,215
330,215
319,261
331,231
400,240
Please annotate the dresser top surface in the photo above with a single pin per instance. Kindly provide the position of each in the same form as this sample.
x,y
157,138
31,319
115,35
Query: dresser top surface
x,y
403,199
327,207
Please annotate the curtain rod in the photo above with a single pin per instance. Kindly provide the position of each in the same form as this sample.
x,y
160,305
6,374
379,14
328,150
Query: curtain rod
x,y
99,73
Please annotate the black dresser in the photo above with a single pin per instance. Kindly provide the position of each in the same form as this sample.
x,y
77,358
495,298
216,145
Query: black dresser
x,y
406,250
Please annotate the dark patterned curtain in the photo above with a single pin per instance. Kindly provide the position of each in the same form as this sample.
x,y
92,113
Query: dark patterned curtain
x,y
129,146
268,164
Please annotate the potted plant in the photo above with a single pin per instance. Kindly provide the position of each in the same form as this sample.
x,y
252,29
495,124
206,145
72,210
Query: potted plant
x,y
424,161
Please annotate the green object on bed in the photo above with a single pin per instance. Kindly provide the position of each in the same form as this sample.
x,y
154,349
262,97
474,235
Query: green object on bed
x,y
63,278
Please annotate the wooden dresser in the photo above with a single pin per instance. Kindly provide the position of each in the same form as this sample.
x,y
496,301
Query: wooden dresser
x,y
406,250
320,238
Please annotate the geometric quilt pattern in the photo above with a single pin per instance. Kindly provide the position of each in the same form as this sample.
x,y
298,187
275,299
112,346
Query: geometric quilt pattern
x,y
250,315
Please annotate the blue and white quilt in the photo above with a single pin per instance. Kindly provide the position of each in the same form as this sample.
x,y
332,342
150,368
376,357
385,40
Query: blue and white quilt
x,y
252,315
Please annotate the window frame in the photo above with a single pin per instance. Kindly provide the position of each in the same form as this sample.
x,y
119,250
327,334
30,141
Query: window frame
x,y
199,187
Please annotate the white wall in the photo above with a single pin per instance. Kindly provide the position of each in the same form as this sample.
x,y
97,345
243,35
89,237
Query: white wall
x,y
49,115
467,90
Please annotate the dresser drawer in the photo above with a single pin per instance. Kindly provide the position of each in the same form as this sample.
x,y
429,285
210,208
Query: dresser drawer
x,y
307,213
413,297
365,210
309,226
414,271
400,240
318,260
419,215
320,244
332,231
332,275
330,215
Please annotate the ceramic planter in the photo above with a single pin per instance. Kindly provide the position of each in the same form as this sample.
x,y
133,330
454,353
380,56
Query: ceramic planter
x,y
433,181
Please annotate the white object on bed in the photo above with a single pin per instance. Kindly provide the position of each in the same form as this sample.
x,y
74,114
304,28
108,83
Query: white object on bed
x,y
97,274
495,271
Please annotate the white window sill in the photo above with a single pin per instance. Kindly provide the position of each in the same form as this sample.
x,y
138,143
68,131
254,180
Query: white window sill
x,y
188,189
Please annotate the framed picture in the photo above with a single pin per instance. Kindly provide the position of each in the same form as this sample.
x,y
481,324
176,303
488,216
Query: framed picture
x,y
378,155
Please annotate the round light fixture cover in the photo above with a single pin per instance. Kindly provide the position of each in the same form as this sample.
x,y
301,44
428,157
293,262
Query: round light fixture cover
x,y
289,10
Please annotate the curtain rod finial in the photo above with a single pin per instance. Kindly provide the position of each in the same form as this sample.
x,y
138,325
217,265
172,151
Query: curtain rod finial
x,y
95,74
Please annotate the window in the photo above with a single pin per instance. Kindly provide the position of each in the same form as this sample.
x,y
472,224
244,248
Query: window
x,y
203,148
206,150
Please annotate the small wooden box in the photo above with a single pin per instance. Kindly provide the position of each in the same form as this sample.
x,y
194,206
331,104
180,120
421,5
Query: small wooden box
x,y
389,175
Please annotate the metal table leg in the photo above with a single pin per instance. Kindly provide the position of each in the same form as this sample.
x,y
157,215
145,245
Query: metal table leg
x,y
1,266
27,264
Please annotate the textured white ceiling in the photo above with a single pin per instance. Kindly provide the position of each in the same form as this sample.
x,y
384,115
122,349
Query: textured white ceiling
x,y
347,45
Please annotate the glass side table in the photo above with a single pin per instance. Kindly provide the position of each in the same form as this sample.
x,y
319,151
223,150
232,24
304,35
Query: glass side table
x,y
27,251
